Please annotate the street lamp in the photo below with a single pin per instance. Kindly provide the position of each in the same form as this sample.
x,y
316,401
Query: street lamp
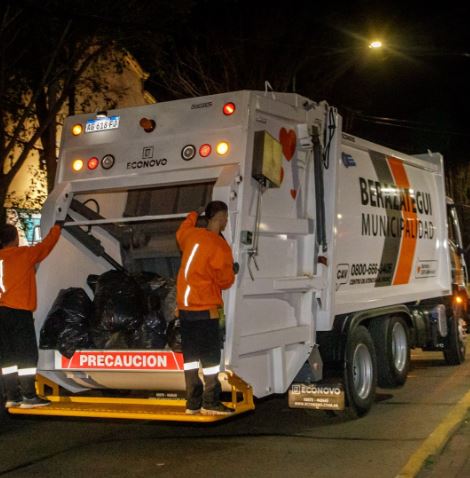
x,y
375,45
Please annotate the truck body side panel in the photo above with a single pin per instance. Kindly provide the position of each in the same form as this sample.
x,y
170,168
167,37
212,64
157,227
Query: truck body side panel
x,y
391,234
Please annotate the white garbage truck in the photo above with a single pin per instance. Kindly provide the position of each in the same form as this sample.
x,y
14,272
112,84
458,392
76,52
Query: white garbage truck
x,y
350,253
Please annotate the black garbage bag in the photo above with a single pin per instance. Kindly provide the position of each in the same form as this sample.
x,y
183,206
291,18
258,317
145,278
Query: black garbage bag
x,y
71,339
153,331
168,299
51,330
161,305
91,280
66,325
119,306
119,340
173,335
154,285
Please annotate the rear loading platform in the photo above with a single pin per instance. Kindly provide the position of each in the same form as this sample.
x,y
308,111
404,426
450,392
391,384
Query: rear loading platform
x,y
122,407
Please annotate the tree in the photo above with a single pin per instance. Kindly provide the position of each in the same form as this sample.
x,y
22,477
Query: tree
x,y
238,44
38,73
46,48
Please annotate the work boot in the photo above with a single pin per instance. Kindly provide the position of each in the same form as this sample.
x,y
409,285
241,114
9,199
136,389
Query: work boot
x,y
194,389
13,403
12,389
34,402
216,409
212,389
27,385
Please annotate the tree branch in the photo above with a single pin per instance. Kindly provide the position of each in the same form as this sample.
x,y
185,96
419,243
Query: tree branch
x,y
20,125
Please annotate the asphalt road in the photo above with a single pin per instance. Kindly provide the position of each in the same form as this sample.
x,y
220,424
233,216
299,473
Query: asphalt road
x,y
272,441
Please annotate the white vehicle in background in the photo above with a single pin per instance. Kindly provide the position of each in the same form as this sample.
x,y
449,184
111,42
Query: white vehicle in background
x,y
350,254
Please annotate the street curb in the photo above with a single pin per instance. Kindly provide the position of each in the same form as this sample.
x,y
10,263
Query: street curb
x,y
437,439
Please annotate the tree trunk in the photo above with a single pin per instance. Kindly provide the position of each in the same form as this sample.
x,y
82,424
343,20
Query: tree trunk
x,y
3,194
48,140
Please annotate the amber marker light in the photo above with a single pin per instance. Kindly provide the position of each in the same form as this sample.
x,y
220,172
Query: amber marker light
x,y
222,148
458,299
77,129
77,165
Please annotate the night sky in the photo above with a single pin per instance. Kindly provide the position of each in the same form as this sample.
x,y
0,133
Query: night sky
x,y
411,96
421,79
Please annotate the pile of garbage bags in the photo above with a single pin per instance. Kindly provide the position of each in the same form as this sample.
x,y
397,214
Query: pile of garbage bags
x,y
128,311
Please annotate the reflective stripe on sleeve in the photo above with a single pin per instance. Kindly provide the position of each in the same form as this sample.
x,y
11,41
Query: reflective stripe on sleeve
x,y
9,370
2,287
191,365
27,371
211,370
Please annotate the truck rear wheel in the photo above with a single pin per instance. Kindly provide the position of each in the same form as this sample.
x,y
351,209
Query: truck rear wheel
x,y
454,353
360,372
391,342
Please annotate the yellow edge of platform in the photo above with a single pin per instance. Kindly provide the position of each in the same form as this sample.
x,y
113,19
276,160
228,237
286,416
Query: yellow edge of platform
x,y
124,411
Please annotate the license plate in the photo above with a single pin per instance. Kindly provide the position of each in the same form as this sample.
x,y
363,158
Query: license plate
x,y
317,396
102,124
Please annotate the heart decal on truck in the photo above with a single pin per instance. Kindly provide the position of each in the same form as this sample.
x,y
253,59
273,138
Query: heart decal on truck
x,y
288,141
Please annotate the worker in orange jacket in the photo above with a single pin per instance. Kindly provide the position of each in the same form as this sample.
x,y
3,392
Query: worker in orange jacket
x,y
206,269
18,345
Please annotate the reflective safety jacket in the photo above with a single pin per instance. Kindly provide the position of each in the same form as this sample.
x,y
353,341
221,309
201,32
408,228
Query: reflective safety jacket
x,y
206,267
17,272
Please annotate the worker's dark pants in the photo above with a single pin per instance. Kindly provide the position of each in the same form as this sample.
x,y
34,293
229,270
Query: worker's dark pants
x,y
201,346
18,353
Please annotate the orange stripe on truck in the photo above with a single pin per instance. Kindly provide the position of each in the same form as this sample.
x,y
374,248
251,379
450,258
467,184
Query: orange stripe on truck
x,y
408,243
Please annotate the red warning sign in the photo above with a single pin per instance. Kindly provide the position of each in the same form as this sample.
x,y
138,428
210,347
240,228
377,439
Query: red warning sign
x,y
155,360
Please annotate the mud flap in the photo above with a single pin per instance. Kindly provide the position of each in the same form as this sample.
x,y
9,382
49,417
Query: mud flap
x,y
317,396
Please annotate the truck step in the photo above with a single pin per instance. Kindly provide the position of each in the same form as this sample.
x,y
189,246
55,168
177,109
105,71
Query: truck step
x,y
134,408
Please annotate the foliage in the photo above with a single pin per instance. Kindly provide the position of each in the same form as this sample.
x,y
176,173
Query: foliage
x,y
23,208
256,43
49,52
35,194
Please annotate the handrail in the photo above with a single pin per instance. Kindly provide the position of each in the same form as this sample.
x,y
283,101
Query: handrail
x,y
97,222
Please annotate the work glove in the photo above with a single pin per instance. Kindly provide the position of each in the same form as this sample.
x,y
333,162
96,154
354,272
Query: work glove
x,y
201,210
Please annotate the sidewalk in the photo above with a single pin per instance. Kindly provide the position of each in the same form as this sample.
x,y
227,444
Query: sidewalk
x,y
454,460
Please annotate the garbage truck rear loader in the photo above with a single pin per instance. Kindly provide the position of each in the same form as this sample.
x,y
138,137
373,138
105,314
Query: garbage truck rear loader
x,y
345,259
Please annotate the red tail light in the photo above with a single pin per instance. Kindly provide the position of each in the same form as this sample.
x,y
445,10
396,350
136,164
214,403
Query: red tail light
x,y
229,109
93,163
205,150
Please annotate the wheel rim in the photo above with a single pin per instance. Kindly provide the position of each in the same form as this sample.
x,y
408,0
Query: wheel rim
x,y
362,371
399,346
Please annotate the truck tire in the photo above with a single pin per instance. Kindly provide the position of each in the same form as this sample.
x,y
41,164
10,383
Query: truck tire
x,y
360,371
391,342
454,353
